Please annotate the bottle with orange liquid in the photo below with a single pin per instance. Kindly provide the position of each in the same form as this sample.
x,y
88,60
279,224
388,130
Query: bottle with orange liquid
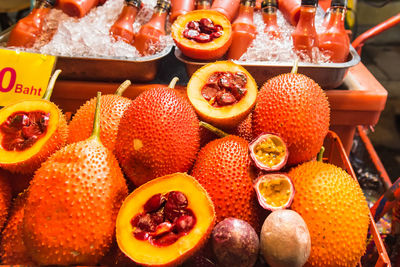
x,y
290,9
334,41
243,30
77,8
203,4
269,8
122,29
227,7
305,36
180,7
27,30
147,39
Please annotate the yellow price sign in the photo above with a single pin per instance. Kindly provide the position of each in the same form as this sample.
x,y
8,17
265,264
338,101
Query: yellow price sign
x,y
23,75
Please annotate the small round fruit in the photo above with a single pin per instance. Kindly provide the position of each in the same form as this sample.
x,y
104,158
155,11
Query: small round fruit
x,y
269,152
165,221
235,243
222,93
275,191
285,240
202,34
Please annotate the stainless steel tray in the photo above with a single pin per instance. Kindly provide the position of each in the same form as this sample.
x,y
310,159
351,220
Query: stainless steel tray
x,y
141,69
327,75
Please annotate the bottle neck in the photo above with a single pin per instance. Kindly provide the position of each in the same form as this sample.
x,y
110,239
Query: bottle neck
x,y
307,16
245,15
203,4
337,17
134,4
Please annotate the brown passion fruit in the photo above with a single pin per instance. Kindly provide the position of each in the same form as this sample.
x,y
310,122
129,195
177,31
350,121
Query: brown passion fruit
x,y
222,93
165,221
275,191
202,34
269,152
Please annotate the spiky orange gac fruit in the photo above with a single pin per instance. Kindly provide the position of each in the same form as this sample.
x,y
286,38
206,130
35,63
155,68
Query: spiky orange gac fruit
x,y
12,247
223,169
29,160
72,205
5,197
158,135
336,213
147,254
112,110
295,107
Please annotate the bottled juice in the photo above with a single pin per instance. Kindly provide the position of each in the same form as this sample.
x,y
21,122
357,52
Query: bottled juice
x,y
77,8
227,7
305,37
122,29
334,41
148,37
180,7
27,29
203,4
269,16
290,10
243,30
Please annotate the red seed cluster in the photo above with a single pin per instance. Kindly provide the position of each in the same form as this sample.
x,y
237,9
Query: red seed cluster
x,y
202,31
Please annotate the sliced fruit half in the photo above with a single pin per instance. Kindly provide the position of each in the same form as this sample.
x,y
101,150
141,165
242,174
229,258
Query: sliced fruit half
x,y
222,93
275,191
165,221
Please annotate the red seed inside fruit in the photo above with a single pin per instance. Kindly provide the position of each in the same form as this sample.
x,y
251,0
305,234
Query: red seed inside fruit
x,y
22,130
224,88
202,31
165,218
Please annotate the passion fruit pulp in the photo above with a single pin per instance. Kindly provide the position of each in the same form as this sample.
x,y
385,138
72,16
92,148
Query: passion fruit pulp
x,y
269,152
275,191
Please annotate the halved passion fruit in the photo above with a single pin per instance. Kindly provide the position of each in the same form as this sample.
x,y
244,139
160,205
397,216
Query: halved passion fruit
x,y
202,34
275,191
222,93
269,152
30,131
165,221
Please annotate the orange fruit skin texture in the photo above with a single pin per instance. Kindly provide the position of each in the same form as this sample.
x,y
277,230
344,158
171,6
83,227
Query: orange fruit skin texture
x,y
336,213
12,247
296,108
223,169
244,129
5,197
72,204
166,132
112,109
54,143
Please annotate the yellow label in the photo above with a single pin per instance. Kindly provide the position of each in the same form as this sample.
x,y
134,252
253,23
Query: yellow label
x,y
23,75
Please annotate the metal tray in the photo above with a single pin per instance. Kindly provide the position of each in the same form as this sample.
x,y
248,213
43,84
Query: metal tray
x,y
327,75
105,69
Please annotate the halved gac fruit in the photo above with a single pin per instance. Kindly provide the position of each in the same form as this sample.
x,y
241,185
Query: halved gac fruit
x,y
30,131
222,93
202,34
165,221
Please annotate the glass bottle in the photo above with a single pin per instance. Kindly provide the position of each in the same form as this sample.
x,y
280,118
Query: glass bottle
x,y
180,7
29,28
269,8
122,29
147,40
77,8
290,9
227,7
243,30
203,4
305,37
334,41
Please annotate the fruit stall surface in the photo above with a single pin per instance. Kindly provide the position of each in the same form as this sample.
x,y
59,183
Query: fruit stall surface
x,y
230,164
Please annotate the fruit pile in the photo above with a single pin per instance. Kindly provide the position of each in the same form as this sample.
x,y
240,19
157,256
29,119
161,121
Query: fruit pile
x,y
71,182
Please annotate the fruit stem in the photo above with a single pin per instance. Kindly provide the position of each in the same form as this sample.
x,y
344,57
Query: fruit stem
x,y
213,129
173,82
96,121
121,89
295,66
320,154
50,86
